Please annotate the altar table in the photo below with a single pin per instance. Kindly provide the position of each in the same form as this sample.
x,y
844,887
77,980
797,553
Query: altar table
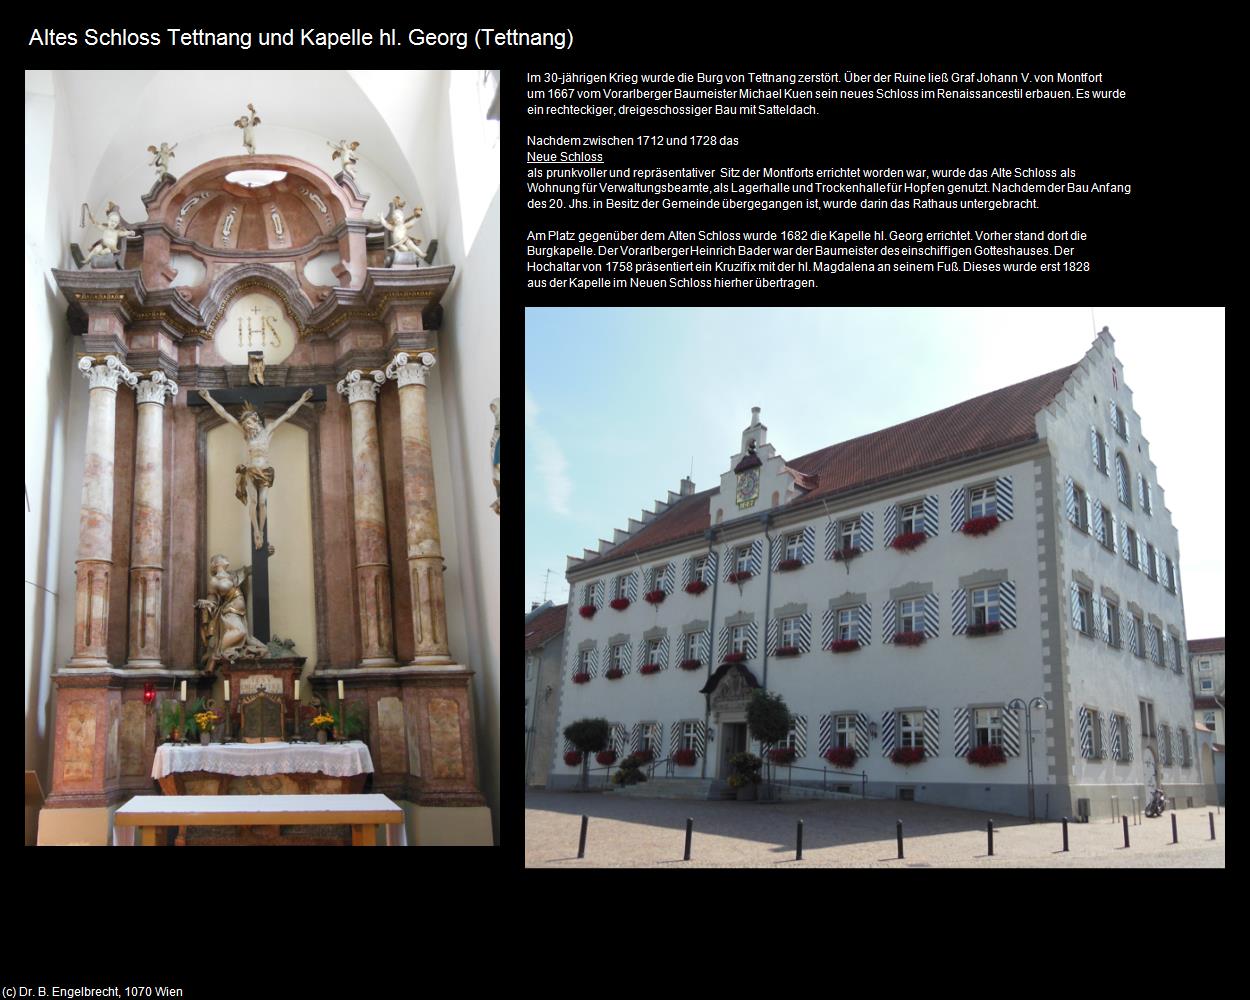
x,y
297,765
362,812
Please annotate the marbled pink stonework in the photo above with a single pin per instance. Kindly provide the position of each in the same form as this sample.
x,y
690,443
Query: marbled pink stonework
x,y
147,538
95,532
373,575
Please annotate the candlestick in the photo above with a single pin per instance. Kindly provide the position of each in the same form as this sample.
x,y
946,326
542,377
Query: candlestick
x,y
297,689
184,691
340,690
227,689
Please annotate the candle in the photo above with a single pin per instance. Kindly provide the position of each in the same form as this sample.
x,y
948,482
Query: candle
x,y
227,690
340,690
297,689
184,690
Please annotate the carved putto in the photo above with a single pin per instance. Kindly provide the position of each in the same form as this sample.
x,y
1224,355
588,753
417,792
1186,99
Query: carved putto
x,y
247,123
397,226
346,150
161,158
112,229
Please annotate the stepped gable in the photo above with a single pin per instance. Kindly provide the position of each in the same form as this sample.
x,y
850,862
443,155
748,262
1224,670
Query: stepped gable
x,y
543,626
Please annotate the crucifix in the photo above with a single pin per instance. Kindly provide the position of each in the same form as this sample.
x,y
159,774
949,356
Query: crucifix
x,y
257,473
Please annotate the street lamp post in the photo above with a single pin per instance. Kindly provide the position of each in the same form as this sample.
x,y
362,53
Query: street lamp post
x,y
1015,705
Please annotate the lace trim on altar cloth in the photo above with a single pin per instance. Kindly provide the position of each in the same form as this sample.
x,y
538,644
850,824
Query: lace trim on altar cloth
x,y
256,759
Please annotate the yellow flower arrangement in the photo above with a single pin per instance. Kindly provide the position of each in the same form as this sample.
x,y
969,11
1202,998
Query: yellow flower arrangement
x,y
323,721
206,720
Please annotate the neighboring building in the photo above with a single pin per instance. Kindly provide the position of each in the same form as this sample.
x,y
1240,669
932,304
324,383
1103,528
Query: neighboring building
x,y
1206,662
544,635
1011,546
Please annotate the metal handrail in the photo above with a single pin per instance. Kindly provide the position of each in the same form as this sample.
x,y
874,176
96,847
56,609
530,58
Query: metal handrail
x,y
824,772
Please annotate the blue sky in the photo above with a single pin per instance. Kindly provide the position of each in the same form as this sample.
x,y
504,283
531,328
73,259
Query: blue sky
x,y
619,401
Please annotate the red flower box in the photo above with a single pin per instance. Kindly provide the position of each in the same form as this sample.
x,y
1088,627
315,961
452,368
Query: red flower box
x,y
685,758
909,541
615,674
908,638
650,668
654,597
987,755
989,628
907,755
587,610
980,525
606,757
735,657
788,650
783,755
619,603
740,577
696,587
846,554
582,678
643,756
691,664
841,756
844,645
572,757
788,564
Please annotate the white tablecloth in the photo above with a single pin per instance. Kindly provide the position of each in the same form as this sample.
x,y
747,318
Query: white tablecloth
x,y
339,760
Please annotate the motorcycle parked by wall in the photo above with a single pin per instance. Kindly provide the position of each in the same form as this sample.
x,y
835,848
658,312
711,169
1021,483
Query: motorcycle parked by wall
x,y
1157,804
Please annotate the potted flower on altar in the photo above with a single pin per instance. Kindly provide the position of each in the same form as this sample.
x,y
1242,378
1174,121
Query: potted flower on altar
x,y
206,720
172,720
654,597
587,610
696,587
980,525
909,541
323,722
844,645
907,755
685,757
987,755
841,756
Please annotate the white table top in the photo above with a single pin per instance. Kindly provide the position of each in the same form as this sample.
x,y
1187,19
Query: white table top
x,y
338,760
152,809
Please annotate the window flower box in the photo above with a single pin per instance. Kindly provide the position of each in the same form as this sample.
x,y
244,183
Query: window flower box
x,y
786,565
605,758
907,755
614,674
908,638
841,756
654,597
783,755
573,758
649,668
788,650
987,755
847,554
909,541
619,603
587,610
980,525
989,628
696,587
685,758
740,577
691,664
844,645
582,678
643,756
735,657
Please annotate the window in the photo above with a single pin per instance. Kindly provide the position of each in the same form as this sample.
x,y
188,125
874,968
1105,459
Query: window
x,y
529,667
984,605
1143,490
1119,420
793,545
1186,757
690,648
583,662
1176,653
982,501
690,736
1204,684
619,660
911,615
1130,548
1204,664
592,589
697,568
1085,611
911,730
1165,744
1208,720
647,742
848,624
1105,529
742,558
987,727
621,587
790,633
1082,509
1122,480
1152,568
653,651
1150,719
790,742
738,639
1095,733
1113,625
848,534
844,731
1171,574
657,576
1157,654
1136,639
1124,738
1100,452
911,518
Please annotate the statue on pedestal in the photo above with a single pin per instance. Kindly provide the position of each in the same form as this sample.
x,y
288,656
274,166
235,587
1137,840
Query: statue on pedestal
x,y
347,150
109,245
161,158
397,226
223,617
247,123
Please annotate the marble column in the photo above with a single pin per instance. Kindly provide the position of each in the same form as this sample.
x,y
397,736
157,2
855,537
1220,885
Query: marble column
x,y
425,554
373,568
95,525
147,540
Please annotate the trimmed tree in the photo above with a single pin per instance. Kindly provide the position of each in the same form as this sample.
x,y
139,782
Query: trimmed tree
x,y
589,736
768,719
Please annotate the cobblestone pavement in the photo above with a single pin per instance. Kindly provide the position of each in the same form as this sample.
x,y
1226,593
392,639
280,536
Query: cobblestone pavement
x,y
650,833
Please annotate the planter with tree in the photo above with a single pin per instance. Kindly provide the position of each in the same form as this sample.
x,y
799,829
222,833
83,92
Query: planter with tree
x,y
588,736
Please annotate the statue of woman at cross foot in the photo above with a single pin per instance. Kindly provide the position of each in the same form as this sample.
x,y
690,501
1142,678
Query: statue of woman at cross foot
x,y
257,470
223,617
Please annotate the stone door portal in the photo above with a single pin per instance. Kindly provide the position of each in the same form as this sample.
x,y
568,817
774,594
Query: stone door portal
x,y
733,740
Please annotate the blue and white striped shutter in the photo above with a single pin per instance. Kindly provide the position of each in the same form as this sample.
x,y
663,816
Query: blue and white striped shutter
x,y
828,628
777,545
724,642
932,733
887,733
670,578
1127,736
865,531
700,738
1178,745
1103,614
825,737
805,632
931,620
568,746
687,572
1115,737
1011,732
755,561
1150,496
1102,735
1005,499
1087,742
799,724
705,645
888,622
891,525
1076,607
1007,604
1117,538
642,653
631,586
959,611
861,734
1093,445
863,627
931,515
962,737
1161,566
1122,488
959,509
807,546
1096,524
1089,511
635,738
752,640
709,569
1069,499
593,660
662,655
831,538
1142,561
674,738
774,627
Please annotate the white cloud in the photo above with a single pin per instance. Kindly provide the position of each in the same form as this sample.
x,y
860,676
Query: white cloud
x,y
551,466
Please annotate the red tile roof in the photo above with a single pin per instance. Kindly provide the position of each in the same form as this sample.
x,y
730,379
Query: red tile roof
x,y
1206,645
1000,419
545,626
1205,702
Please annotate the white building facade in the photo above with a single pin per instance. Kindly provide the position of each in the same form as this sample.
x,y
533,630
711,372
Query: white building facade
x,y
901,591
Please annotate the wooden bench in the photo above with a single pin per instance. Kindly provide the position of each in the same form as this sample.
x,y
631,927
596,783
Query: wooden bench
x,y
146,813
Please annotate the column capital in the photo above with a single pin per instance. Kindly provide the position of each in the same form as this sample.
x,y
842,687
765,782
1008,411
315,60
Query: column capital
x,y
154,387
359,389
410,370
103,373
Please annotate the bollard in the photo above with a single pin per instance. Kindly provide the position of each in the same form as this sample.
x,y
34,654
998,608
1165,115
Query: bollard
x,y
1173,828
900,837
1210,816
798,851
689,833
1126,831
581,841
1065,833
989,832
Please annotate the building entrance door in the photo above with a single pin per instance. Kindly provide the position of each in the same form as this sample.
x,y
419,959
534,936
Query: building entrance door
x,y
733,740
